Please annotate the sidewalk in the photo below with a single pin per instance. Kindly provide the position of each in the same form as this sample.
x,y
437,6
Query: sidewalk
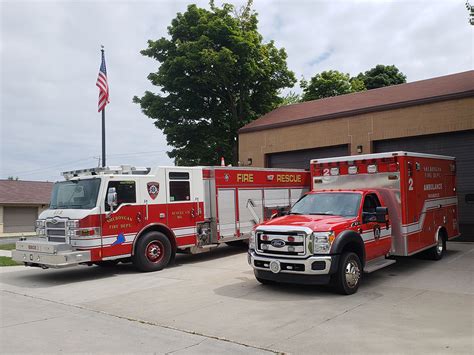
x,y
17,235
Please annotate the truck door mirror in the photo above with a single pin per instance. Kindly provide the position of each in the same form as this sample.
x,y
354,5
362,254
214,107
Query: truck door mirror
x,y
381,214
368,217
112,198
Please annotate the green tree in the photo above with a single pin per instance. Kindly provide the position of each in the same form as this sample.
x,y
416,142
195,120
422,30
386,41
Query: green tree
x,y
216,75
326,84
382,75
290,99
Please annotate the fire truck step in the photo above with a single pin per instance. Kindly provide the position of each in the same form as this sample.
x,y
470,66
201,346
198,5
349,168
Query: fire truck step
x,y
377,264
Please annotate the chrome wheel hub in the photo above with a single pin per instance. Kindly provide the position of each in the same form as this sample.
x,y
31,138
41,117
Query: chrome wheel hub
x,y
352,273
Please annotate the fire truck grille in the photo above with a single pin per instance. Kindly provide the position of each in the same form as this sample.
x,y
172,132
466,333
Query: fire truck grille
x,y
57,225
57,239
291,244
56,232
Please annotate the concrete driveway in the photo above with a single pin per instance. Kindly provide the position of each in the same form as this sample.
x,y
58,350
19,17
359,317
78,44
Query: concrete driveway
x,y
212,304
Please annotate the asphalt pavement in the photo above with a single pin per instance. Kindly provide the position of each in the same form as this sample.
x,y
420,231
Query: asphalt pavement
x,y
211,303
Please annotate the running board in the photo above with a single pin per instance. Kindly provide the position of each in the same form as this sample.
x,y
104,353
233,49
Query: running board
x,y
377,264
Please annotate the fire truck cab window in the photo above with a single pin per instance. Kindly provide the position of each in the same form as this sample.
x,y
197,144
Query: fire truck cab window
x,y
179,186
126,193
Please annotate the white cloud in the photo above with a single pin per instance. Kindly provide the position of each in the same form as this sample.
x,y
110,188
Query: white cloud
x,y
50,58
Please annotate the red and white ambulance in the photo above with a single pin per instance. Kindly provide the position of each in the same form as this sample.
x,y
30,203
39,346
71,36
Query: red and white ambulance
x,y
361,211
105,215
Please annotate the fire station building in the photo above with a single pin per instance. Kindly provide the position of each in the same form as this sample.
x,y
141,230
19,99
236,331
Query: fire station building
x,y
20,204
429,116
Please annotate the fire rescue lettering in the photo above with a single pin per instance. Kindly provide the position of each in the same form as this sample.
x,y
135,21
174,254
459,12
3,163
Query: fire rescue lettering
x,y
244,177
288,178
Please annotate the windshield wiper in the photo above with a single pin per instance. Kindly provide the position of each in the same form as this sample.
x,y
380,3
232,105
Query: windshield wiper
x,y
323,214
294,213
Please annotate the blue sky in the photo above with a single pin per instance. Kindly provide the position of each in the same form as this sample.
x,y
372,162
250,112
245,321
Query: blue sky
x,y
50,55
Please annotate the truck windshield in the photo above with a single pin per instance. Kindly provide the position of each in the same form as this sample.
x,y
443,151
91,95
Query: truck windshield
x,y
75,194
334,203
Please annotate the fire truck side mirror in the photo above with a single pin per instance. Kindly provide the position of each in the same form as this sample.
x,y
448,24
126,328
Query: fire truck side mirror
x,y
381,214
112,198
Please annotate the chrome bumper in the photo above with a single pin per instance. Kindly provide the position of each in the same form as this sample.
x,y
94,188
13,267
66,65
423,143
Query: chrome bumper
x,y
48,255
289,265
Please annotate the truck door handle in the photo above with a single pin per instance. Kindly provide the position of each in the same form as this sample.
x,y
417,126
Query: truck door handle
x,y
139,217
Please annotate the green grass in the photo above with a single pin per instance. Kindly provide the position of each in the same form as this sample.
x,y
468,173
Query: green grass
x,y
7,246
6,261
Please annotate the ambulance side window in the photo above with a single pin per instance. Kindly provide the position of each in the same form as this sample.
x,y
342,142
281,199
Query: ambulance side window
x,y
179,186
371,202
126,193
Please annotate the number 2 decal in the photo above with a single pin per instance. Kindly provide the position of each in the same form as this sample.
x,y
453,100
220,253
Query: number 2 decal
x,y
410,184
326,172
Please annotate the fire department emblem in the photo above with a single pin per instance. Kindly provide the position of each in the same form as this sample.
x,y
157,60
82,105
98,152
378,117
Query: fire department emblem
x,y
377,232
226,177
153,189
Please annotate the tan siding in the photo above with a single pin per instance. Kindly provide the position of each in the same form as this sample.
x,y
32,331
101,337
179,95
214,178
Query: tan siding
x,y
446,116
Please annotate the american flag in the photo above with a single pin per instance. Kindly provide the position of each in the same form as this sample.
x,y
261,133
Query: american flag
x,y
102,85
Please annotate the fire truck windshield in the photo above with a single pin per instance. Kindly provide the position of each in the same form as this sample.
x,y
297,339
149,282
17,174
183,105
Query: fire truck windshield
x,y
344,204
75,194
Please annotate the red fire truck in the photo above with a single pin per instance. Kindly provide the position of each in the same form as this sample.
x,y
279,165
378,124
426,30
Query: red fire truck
x,y
106,215
361,211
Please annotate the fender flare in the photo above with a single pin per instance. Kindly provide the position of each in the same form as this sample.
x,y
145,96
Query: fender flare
x,y
158,227
346,237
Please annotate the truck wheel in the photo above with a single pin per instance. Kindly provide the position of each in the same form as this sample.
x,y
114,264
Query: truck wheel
x,y
241,244
437,252
152,252
348,274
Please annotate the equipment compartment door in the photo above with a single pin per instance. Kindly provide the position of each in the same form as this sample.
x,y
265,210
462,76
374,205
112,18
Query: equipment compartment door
x,y
181,205
250,209
226,213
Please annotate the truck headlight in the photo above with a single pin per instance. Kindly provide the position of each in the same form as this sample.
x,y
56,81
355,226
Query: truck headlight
x,y
40,232
74,223
322,242
252,240
40,223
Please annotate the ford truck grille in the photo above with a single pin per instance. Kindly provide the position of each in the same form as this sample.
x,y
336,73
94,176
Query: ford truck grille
x,y
289,244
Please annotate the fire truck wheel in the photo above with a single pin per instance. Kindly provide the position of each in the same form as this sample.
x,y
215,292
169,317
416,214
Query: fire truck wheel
x,y
241,244
437,252
152,252
347,277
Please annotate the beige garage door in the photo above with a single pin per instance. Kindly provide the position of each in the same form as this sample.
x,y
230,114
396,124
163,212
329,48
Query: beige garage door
x,y
19,219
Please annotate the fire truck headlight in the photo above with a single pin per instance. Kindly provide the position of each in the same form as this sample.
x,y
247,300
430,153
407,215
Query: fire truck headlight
x,y
40,232
40,223
74,223
252,240
322,242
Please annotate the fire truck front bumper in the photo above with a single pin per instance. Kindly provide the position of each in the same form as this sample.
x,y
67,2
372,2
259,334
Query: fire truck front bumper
x,y
315,270
40,253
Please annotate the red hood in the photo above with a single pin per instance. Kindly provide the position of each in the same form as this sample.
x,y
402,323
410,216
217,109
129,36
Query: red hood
x,y
317,223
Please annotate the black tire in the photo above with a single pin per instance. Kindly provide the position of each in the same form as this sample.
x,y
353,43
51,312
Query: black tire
x,y
107,263
152,252
241,244
437,252
348,285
